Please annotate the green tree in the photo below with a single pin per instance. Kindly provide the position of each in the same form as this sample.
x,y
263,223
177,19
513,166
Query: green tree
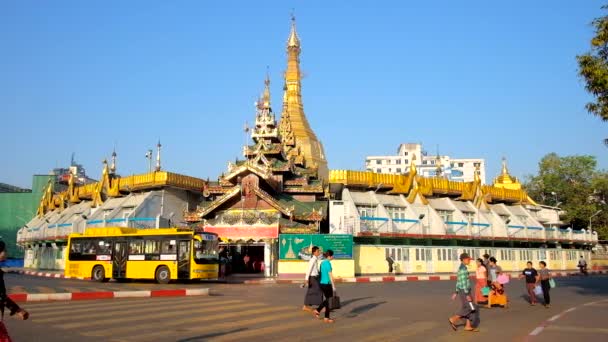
x,y
574,184
593,68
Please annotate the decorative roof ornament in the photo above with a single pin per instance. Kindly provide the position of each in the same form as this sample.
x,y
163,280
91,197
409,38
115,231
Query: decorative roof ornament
x,y
505,180
294,40
113,165
158,146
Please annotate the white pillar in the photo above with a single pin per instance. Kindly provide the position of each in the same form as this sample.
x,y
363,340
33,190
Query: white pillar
x,y
268,258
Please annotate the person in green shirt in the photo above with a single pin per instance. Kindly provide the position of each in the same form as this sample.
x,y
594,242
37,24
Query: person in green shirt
x,y
467,310
328,286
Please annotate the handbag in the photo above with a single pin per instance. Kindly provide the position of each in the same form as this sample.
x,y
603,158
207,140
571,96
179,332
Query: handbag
x,y
502,279
538,290
552,283
485,291
334,302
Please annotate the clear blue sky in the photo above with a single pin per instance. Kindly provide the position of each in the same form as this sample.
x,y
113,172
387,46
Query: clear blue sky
x,y
478,78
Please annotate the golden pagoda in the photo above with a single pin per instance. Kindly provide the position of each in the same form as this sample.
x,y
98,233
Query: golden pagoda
x,y
505,180
298,138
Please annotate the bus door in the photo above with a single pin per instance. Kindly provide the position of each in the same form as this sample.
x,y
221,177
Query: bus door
x,y
183,259
119,259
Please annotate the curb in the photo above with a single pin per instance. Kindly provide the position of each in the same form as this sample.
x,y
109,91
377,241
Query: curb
x,y
47,275
400,278
42,297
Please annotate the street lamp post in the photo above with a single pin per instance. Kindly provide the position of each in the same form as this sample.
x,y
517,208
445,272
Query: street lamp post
x,y
592,216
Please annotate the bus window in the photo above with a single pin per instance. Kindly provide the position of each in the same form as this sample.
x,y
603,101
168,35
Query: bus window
x,y
206,251
152,246
136,247
104,247
168,247
152,249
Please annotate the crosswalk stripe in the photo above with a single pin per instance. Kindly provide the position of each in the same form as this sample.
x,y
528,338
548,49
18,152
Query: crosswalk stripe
x,y
267,331
133,315
224,325
53,307
110,310
404,330
351,325
195,319
578,330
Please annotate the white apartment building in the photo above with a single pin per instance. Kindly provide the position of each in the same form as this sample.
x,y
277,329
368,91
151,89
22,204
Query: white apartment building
x,y
456,169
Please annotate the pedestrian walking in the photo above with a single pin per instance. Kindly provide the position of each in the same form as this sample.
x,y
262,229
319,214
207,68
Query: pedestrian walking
x,y
468,310
544,279
481,276
314,295
486,260
328,286
5,300
531,276
498,295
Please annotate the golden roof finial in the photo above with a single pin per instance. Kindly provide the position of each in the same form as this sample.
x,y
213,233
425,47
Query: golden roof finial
x,y
504,167
266,94
293,40
505,180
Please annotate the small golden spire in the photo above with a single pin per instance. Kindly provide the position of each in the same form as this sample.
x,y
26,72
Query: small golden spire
x,y
504,171
293,40
266,94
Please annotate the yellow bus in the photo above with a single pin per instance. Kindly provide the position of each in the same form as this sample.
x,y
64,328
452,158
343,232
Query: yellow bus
x,y
129,253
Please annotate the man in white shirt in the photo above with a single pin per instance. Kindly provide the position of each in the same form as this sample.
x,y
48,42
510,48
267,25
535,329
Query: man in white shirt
x,y
314,296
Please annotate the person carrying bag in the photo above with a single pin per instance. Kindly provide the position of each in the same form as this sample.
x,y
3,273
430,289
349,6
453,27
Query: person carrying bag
x,y
328,286
314,295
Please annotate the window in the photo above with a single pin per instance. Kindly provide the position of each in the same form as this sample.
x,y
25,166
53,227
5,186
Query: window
x,y
366,210
470,216
405,153
460,164
390,170
424,162
446,215
168,247
398,161
398,170
477,164
433,162
378,162
136,247
151,246
406,161
378,170
396,212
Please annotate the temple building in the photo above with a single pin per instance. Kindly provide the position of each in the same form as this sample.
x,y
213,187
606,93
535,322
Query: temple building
x,y
152,200
280,199
278,188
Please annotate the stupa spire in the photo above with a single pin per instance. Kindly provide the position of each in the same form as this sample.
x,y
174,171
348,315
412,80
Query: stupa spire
x,y
306,141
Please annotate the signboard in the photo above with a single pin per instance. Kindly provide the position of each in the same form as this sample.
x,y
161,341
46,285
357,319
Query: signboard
x,y
298,246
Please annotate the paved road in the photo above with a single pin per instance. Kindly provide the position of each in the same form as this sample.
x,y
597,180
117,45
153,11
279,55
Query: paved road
x,y
374,312
17,283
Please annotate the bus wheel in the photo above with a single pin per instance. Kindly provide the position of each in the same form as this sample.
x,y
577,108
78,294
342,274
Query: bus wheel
x,y
163,275
99,274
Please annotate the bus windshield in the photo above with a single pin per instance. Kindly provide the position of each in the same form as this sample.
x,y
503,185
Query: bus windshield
x,y
206,251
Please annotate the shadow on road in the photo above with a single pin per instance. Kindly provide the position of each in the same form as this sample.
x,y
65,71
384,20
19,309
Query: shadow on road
x,y
363,309
204,337
586,286
350,301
